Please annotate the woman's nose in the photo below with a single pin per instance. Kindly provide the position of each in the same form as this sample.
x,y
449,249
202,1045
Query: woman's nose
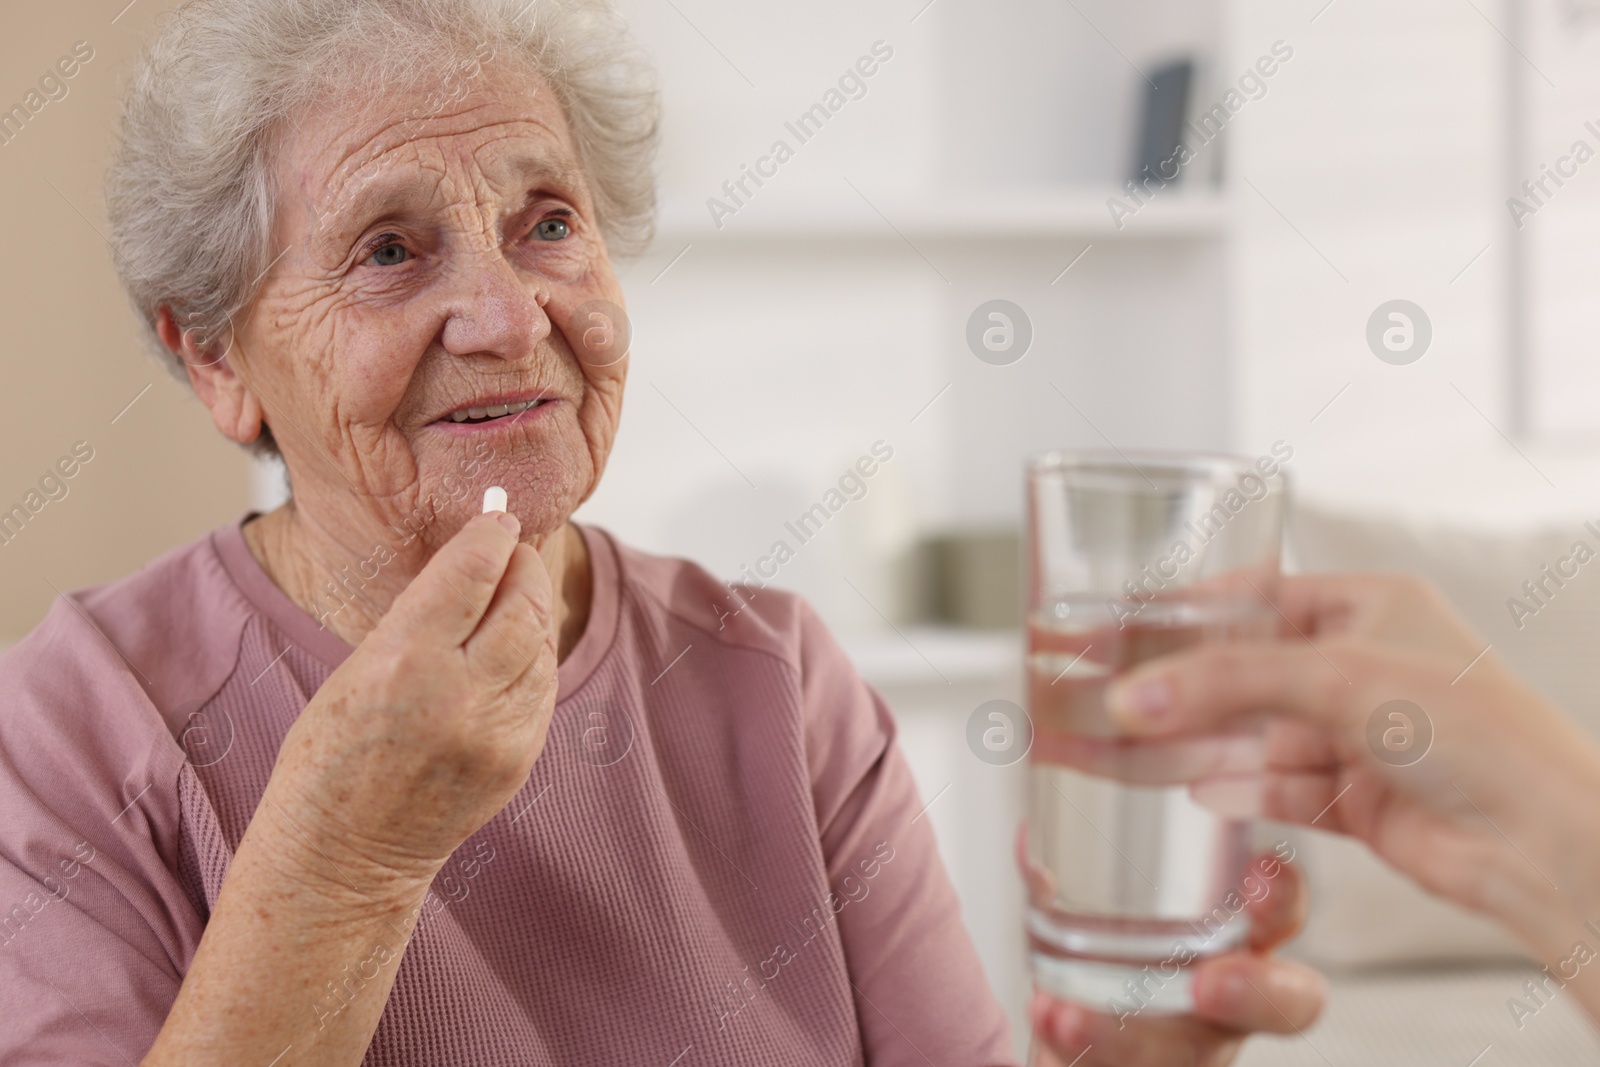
x,y
494,309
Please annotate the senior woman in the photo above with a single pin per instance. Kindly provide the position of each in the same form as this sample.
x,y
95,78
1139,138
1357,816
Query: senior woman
x,y
373,778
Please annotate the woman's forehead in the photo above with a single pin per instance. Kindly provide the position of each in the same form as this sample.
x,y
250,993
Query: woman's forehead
x,y
506,132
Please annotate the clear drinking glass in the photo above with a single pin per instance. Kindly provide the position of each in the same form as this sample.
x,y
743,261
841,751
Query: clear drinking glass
x,y
1129,557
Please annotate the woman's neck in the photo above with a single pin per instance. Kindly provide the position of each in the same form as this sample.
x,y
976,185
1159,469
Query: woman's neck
x,y
315,570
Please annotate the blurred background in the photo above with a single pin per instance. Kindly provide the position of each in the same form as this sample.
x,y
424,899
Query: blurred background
x,y
1347,154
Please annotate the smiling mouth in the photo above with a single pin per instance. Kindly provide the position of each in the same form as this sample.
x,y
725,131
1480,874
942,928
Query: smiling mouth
x,y
474,415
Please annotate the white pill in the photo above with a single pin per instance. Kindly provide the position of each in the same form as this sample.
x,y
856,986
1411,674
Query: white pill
x,y
494,499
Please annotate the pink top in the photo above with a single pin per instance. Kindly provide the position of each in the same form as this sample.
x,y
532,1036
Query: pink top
x,y
715,859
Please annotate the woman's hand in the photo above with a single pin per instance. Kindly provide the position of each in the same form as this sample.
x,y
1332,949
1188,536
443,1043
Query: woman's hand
x,y
434,722
1235,994
419,738
1499,813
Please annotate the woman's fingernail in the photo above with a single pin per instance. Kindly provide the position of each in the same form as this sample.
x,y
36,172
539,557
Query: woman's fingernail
x,y
509,521
1147,702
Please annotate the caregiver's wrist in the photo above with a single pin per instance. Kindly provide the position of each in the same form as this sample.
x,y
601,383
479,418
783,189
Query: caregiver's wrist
x,y
1552,858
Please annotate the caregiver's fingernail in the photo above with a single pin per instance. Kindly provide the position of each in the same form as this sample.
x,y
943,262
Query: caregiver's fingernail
x,y
509,521
1066,1021
1296,983
1227,987
1144,703
1233,797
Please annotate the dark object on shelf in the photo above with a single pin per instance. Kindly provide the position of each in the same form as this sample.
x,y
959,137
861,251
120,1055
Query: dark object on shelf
x,y
971,578
1166,104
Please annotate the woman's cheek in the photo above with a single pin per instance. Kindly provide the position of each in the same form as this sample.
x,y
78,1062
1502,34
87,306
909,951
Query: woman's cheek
x,y
599,334
559,263
377,352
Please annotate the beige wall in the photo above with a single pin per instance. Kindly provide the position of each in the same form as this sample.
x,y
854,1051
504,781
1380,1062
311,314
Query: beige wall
x,y
71,355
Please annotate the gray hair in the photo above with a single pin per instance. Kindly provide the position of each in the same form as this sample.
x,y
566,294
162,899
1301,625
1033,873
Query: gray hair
x,y
192,187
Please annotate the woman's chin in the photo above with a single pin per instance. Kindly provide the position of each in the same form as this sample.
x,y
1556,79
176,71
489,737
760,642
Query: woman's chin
x,y
545,477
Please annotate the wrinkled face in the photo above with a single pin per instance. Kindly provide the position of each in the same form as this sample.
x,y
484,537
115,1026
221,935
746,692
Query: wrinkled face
x,y
420,338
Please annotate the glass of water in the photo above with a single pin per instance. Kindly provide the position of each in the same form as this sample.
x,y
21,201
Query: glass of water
x,y
1130,879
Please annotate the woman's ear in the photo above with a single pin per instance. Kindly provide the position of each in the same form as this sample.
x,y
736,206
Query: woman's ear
x,y
233,406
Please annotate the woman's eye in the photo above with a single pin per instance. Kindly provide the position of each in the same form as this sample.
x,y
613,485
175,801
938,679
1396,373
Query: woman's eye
x,y
390,255
552,229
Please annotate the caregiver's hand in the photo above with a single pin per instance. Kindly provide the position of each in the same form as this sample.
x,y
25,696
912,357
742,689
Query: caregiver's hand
x,y
1501,814
1235,994
435,720
420,737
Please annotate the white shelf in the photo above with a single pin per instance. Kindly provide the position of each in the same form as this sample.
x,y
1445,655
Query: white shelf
x,y
935,655
983,215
